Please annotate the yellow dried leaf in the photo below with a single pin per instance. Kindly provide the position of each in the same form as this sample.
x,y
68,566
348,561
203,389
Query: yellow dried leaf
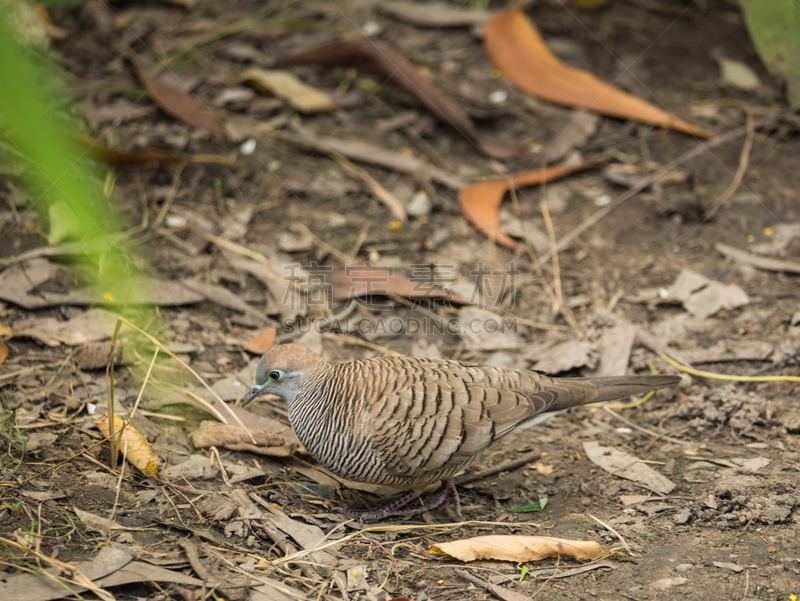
x,y
518,548
543,469
132,445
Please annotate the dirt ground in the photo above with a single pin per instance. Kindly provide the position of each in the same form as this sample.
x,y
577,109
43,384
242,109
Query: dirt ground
x,y
729,528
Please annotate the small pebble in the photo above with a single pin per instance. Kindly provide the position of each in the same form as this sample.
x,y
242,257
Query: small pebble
x,y
419,205
247,147
498,96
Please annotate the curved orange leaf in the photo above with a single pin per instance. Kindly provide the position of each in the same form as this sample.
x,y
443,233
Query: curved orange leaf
x,y
517,49
481,201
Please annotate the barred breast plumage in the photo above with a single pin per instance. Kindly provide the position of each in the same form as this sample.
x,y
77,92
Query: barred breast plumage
x,y
409,422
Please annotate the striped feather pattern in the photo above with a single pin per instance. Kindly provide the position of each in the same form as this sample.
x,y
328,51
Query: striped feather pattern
x,y
409,422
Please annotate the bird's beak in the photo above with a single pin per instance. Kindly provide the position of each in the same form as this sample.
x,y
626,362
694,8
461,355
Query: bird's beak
x,y
254,392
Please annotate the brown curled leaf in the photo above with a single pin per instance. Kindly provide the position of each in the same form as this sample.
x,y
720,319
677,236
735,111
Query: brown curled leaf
x,y
367,280
97,151
177,103
517,49
481,201
379,59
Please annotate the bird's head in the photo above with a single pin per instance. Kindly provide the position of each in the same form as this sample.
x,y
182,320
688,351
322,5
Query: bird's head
x,y
281,370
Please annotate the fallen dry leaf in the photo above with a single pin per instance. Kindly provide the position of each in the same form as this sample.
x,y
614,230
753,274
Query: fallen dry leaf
x,y
518,548
263,341
290,89
627,466
517,49
91,326
480,201
111,567
237,438
3,351
177,103
728,566
132,445
96,523
715,297
376,57
366,280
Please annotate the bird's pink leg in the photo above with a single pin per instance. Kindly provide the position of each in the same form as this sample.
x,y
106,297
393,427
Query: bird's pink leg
x,y
393,508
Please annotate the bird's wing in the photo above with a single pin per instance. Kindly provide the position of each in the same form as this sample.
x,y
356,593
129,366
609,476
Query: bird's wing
x,y
432,415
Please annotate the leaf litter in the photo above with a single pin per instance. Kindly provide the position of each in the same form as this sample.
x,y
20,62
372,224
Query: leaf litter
x,y
217,327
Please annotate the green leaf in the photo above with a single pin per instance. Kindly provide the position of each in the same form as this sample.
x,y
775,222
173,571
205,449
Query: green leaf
x,y
531,506
523,573
774,27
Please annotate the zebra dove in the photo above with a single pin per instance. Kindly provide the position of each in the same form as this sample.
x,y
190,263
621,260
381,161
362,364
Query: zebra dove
x,y
409,422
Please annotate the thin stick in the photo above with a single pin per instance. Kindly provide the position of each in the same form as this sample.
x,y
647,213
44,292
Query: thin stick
x,y
651,179
558,303
503,467
387,198
744,160
618,535
645,430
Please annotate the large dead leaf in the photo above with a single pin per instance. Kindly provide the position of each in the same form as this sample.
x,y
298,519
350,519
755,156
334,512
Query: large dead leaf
x,y
111,567
367,280
518,50
518,548
481,201
132,445
178,104
627,466
90,326
376,57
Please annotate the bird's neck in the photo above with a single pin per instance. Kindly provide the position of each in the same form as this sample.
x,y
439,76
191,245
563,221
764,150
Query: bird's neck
x,y
310,407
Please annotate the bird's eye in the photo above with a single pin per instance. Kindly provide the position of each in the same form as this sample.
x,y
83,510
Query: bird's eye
x,y
274,375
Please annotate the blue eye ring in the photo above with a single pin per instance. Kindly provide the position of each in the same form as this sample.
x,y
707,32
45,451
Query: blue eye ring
x,y
275,375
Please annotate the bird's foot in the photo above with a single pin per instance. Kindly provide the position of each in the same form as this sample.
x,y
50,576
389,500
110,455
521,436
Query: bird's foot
x,y
393,508
379,514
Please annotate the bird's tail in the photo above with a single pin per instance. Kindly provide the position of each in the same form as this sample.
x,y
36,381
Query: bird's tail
x,y
581,391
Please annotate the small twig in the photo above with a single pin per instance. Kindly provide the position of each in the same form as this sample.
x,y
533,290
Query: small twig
x,y
359,242
387,198
558,303
503,467
645,430
344,258
617,534
744,159
651,179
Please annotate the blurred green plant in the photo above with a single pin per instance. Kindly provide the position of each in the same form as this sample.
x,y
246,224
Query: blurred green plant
x,y
774,27
70,194
63,187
